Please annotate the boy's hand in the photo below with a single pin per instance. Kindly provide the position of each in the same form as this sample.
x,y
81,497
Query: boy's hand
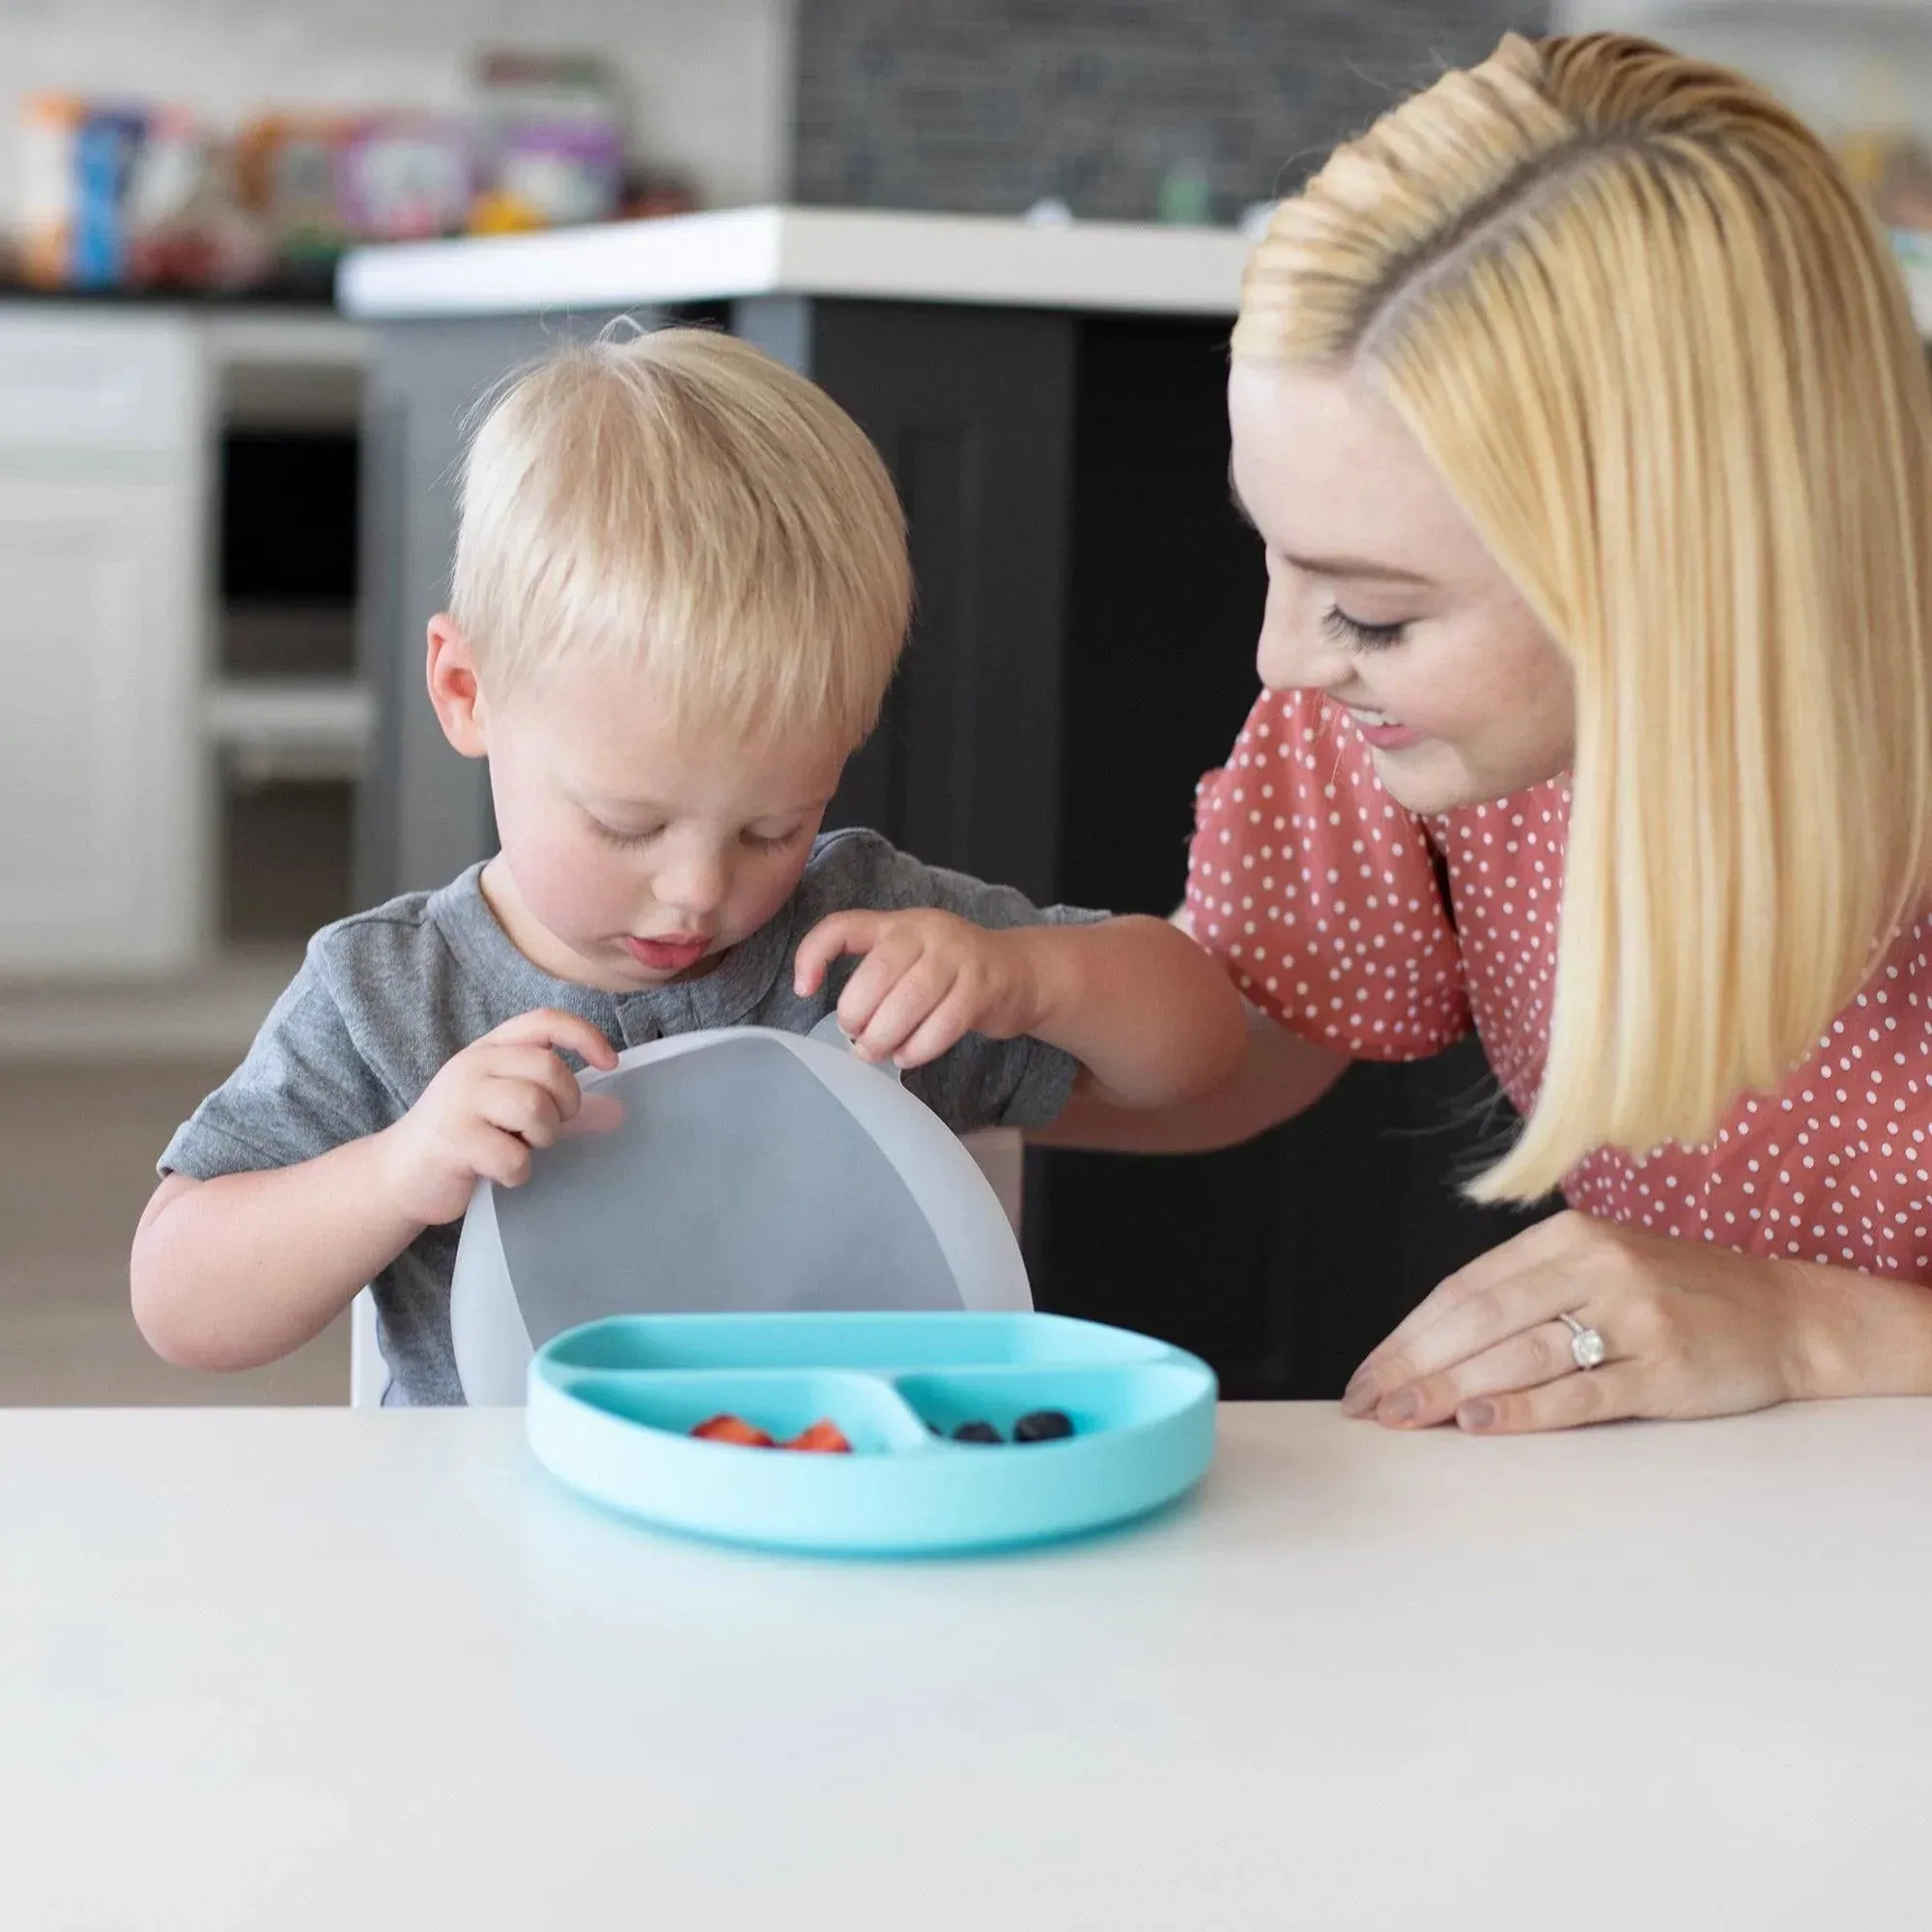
x,y
490,1105
928,979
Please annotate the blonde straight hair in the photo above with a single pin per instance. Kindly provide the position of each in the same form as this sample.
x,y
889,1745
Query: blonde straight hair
x,y
1639,319
678,503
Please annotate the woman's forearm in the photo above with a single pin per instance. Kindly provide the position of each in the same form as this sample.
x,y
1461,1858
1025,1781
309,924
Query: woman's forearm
x,y
237,1271
1858,1334
1280,1074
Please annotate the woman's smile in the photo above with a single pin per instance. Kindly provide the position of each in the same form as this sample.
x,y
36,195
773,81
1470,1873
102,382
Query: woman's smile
x,y
1383,732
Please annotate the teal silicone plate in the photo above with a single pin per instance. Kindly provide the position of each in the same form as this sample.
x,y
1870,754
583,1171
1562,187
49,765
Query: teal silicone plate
x,y
611,1406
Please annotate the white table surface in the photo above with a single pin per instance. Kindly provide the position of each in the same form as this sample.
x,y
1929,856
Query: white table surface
x,y
297,1670
859,253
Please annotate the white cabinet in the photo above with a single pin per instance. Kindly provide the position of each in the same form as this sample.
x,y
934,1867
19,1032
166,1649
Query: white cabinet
x,y
103,467
100,799
114,723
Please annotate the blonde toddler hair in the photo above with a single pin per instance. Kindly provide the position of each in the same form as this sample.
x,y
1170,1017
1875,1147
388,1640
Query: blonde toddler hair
x,y
680,503
1640,322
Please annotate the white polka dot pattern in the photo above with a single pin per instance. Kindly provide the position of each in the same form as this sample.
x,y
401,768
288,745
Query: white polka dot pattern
x,y
1323,898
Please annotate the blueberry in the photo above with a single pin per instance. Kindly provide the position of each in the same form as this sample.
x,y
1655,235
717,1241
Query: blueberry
x,y
1043,1425
976,1431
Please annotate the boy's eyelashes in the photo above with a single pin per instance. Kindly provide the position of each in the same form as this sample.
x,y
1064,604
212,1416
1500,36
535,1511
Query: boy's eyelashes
x,y
773,842
616,836
758,841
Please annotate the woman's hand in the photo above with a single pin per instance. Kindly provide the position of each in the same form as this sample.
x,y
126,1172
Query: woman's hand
x,y
1690,1329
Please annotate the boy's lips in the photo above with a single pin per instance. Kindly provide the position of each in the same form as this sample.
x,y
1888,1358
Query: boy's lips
x,y
667,955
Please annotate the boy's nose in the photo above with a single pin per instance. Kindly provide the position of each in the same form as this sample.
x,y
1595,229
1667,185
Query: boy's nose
x,y
695,885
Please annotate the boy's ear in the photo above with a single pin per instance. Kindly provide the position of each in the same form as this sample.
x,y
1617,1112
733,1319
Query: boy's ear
x,y
451,674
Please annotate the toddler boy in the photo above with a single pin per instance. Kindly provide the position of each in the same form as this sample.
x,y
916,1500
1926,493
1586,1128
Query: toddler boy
x,y
679,593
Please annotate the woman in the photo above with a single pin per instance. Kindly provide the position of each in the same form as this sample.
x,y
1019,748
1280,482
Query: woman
x,y
1580,413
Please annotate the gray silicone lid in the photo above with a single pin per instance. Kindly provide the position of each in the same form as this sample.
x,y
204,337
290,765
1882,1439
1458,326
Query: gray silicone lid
x,y
754,1171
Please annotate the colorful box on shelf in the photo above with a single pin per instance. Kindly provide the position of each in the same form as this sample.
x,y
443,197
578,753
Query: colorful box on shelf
x,y
76,160
147,194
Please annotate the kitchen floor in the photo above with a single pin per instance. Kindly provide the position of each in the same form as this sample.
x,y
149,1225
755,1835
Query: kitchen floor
x,y
77,1148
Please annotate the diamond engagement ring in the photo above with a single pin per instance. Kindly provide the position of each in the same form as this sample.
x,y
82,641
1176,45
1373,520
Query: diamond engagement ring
x,y
1586,1345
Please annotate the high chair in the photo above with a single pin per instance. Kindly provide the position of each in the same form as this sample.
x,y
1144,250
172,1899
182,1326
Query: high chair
x,y
368,1372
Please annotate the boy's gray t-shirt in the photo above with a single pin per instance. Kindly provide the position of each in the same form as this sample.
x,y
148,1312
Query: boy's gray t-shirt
x,y
385,998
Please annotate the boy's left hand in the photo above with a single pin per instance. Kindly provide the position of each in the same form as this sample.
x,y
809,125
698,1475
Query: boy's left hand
x,y
926,979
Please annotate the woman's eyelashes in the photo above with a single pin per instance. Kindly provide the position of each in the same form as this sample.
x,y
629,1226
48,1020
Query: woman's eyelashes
x,y
1336,623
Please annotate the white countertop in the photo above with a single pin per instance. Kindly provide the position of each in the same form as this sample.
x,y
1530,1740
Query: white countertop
x,y
294,1669
756,251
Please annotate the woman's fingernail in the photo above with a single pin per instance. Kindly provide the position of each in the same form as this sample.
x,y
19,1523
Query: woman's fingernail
x,y
1477,1415
1359,1397
1404,1405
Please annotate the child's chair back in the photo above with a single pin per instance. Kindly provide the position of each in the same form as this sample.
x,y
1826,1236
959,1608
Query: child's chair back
x,y
368,1373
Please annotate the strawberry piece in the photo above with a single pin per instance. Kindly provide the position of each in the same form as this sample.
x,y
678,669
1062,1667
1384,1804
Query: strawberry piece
x,y
822,1438
733,1429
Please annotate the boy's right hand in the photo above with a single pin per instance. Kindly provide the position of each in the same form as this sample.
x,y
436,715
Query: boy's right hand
x,y
491,1104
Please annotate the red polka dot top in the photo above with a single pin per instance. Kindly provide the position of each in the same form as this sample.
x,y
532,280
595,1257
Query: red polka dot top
x,y
1326,900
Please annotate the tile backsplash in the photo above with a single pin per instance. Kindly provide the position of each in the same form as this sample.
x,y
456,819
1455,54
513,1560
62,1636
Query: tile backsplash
x,y
709,84
988,105
976,105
